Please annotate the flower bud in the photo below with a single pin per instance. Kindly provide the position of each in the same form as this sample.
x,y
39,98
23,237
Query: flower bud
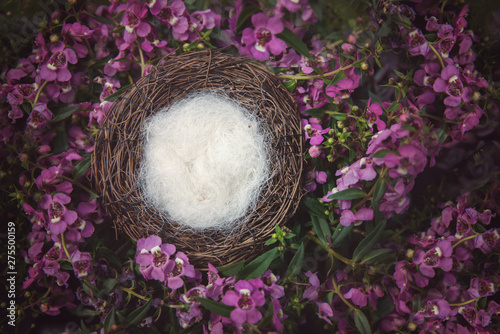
x,y
364,66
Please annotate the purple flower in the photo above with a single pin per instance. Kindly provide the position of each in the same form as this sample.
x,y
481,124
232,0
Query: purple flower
x,y
312,178
263,38
435,308
357,296
324,311
450,83
49,181
59,216
39,116
314,132
245,297
153,258
487,241
74,34
134,23
270,287
82,263
57,66
312,292
437,257
172,16
481,287
348,218
181,268
417,44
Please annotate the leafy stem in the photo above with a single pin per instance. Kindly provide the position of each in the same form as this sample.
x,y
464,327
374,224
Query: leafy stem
x,y
470,237
337,291
133,293
63,242
331,251
39,91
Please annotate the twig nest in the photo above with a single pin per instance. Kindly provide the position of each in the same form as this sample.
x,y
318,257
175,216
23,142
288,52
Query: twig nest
x,y
205,152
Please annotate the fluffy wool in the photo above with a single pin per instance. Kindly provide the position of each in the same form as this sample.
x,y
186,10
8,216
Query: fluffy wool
x,y
205,161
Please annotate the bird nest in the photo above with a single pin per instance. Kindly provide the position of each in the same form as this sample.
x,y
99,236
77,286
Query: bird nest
x,y
118,153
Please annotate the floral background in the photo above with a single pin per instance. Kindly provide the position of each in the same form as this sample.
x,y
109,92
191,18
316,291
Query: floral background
x,y
399,230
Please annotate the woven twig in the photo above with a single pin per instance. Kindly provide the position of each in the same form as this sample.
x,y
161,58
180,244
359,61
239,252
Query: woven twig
x,y
118,153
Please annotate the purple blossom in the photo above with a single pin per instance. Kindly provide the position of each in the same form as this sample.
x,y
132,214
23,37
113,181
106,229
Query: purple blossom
x,y
263,38
417,44
181,267
450,83
245,298
358,296
82,263
59,216
437,257
57,66
172,16
153,258
348,218
133,20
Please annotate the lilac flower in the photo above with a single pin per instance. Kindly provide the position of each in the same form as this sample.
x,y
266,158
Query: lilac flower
x,y
181,267
49,181
357,296
133,20
487,241
313,178
57,66
263,38
59,216
324,311
172,16
437,257
314,132
450,83
417,44
435,308
312,292
39,116
245,298
82,263
481,287
153,258
348,218
74,34
270,287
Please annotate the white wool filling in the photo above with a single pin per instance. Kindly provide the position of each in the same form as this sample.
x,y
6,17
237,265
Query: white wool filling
x,y
205,162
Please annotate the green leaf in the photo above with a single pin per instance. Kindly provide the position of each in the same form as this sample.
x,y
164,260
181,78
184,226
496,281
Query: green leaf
x,y
231,269
294,42
110,320
367,243
442,133
315,207
394,106
321,228
245,14
60,142
109,284
63,113
381,153
290,84
341,232
115,95
81,168
215,307
385,29
378,191
384,308
376,255
135,317
347,194
315,112
337,115
271,241
361,322
296,264
258,266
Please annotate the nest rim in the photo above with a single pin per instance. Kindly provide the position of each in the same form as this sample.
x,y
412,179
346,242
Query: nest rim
x,y
118,153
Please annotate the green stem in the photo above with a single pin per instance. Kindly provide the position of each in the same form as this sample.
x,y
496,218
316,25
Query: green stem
x,y
39,91
143,65
464,303
337,291
465,239
437,54
132,292
331,251
317,76
63,242
76,183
